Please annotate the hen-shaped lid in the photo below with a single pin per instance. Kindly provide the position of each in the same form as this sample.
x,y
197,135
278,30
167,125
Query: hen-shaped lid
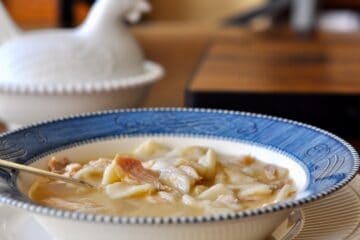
x,y
60,57
99,53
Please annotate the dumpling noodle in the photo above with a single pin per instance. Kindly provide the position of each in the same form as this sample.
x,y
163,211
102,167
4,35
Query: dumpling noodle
x,y
156,180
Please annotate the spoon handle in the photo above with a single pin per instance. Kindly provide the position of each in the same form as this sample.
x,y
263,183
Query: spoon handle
x,y
289,228
40,172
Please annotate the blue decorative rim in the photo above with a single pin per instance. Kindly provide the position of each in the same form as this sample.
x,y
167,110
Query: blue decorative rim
x,y
340,152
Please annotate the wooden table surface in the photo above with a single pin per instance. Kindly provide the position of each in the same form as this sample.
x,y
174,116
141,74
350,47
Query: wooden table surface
x,y
313,80
280,62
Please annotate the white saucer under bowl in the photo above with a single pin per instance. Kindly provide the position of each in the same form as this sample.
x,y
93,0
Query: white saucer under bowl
x,y
336,217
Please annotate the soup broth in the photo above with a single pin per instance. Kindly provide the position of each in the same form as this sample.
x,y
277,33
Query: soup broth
x,y
156,180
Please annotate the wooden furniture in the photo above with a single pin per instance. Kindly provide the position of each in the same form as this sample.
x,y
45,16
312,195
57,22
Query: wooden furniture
x,y
314,80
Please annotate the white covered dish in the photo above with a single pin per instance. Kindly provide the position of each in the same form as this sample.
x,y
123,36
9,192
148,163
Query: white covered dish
x,y
51,73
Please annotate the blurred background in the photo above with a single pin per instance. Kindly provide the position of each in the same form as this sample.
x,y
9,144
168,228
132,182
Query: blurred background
x,y
52,13
298,59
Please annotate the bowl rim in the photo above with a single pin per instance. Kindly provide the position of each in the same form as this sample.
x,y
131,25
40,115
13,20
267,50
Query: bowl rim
x,y
152,73
110,219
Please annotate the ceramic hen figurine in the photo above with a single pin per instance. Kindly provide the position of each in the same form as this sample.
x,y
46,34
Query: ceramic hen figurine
x,y
100,49
53,73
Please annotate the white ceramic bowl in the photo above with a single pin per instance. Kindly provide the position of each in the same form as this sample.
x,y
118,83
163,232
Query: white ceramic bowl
x,y
319,162
251,228
24,104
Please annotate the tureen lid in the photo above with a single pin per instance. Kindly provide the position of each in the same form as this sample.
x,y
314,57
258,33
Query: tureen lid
x,y
55,58
99,55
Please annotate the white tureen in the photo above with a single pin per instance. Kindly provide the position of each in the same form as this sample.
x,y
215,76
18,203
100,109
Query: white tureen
x,y
51,73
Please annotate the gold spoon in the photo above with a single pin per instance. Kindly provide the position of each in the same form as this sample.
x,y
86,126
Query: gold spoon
x,y
40,172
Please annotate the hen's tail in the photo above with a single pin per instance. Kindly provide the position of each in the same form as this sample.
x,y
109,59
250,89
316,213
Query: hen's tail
x,y
8,28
